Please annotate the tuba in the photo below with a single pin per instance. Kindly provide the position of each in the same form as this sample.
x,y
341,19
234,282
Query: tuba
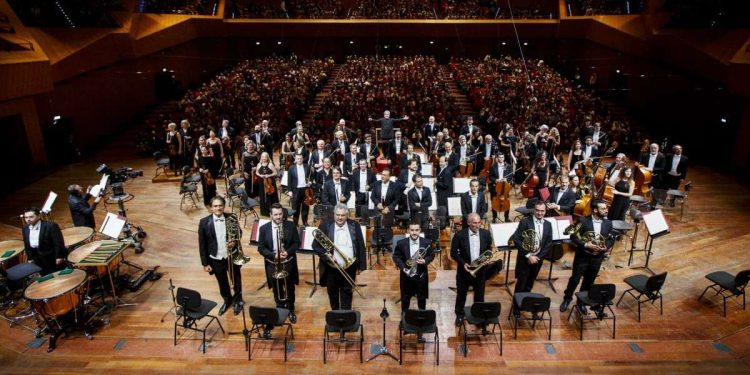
x,y
330,249
486,258
280,274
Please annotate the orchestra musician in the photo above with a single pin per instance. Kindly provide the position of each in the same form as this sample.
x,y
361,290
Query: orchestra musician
x,y
589,150
339,143
613,171
300,149
529,261
409,156
385,196
267,170
214,251
336,190
362,180
454,160
677,166
623,190
473,202
346,234
250,160
187,142
499,172
562,198
465,152
174,147
369,149
431,129
297,184
301,137
43,242
420,200
268,247
317,156
469,131
396,146
287,149
80,210
208,182
406,175
417,249
589,255
487,150
466,246
444,182
324,174
351,160
655,162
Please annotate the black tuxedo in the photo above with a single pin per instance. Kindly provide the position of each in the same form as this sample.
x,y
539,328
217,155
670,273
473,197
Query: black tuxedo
x,y
229,133
355,184
332,278
315,157
585,264
207,247
482,150
431,131
659,168
461,253
259,138
466,205
454,160
328,196
444,185
349,165
298,194
392,149
81,211
526,273
291,244
673,182
51,247
405,161
507,174
419,285
374,151
469,152
391,196
424,204
336,145
566,202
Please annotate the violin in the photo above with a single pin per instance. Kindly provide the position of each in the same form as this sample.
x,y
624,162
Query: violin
x,y
310,196
268,185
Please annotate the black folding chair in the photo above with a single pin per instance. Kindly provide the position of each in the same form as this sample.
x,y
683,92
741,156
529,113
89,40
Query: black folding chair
x,y
343,322
191,309
482,314
598,298
648,289
417,322
728,286
534,303
266,319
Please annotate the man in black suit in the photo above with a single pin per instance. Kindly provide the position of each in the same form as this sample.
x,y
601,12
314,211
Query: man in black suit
x,y
258,136
420,200
270,236
454,160
499,172
80,210
226,131
297,182
362,181
369,149
562,198
386,125
486,151
431,129
598,137
465,152
466,246
339,144
408,157
385,196
655,162
336,190
443,182
351,158
589,149
677,166
43,242
214,248
473,201
406,175
317,156
396,146
589,254
529,259
347,236
469,130
418,283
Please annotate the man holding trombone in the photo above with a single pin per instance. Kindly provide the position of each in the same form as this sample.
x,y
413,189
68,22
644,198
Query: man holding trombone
x,y
412,256
278,242
341,247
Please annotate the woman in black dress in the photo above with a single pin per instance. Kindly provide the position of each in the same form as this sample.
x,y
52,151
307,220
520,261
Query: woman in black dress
x,y
250,159
623,190
267,173
208,182
575,155
174,148
217,151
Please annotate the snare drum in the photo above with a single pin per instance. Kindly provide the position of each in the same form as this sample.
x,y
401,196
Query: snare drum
x,y
56,296
11,253
78,255
76,236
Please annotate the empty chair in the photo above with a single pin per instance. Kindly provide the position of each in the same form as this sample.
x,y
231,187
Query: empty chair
x,y
728,286
482,314
598,298
343,322
247,207
648,289
191,309
188,187
162,163
266,319
418,322
534,303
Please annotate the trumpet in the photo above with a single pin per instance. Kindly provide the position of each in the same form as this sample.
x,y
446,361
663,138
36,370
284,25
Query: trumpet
x,y
234,244
486,258
280,274
331,248
412,264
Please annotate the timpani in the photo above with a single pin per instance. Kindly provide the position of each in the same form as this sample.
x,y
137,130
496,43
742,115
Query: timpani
x,y
76,235
11,253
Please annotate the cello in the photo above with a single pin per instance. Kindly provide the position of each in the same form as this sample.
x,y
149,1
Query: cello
x,y
501,200
642,178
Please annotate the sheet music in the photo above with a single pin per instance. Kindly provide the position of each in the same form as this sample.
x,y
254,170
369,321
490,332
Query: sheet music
x,y
350,203
426,169
433,207
370,205
256,229
95,190
454,206
306,238
429,183
112,225
461,185
285,178
47,208
502,232
559,224
655,222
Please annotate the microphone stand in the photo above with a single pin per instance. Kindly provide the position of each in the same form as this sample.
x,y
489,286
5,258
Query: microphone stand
x,y
379,349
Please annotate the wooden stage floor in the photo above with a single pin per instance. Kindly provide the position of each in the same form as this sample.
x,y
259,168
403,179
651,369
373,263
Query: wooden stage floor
x,y
691,336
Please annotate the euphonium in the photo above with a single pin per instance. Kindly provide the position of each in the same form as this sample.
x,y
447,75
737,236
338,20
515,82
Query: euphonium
x,y
486,258
331,249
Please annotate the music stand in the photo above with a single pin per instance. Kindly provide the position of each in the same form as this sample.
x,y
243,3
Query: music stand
x,y
254,240
501,234
559,223
306,241
657,227
381,237
382,349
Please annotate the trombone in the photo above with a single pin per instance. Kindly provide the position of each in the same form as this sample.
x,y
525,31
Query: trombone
x,y
235,254
331,248
280,274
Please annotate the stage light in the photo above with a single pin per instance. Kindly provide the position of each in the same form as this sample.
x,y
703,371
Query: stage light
x,y
257,43
503,43
278,43
164,70
432,42
56,118
617,71
351,42
723,120
525,43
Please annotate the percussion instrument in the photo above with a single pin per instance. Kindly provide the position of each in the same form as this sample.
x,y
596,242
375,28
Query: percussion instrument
x,y
11,253
76,235
98,256
58,293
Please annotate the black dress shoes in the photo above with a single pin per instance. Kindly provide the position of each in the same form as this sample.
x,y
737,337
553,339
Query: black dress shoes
x,y
564,305
223,308
459,321
267,334
293,317
238,307
420,339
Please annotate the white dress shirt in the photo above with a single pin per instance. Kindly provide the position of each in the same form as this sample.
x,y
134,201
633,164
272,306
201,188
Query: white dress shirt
x,y
275,234
34,231
473,202
487,151
343,240
301,176
397,142
675,163
473,245
337,188
362,181
220,229
597,226
587,151
384,191
413,247
651,161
